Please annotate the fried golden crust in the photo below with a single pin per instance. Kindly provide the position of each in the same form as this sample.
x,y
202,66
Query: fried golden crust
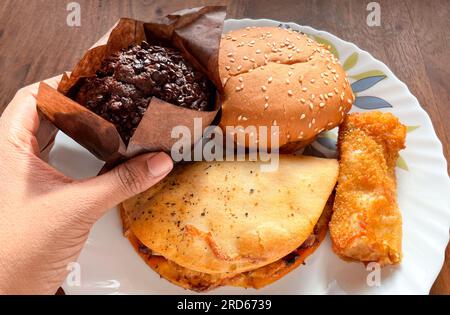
x,y
366,223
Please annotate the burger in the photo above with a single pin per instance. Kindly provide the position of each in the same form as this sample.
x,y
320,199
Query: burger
x,y
279,77
210,224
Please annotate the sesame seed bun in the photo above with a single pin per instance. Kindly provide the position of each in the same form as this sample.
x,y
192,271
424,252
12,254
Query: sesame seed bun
x,y
278,77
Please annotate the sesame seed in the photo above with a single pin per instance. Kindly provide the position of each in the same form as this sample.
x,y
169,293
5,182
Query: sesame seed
x,y
234,39
349,100
336,90
269,80
263,88
309,125
244,118
245,58
303,100
313,96
227,67
305,89
240,117
290,93
290,73
322,104
312,81
311,106
302,116
232,60
330,94
266,106
313,121
239,68
241,79
287,81
258,51
266,98
274,123
326,82
252,60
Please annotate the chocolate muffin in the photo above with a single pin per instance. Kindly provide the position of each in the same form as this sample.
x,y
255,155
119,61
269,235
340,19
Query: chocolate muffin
x,y
123,87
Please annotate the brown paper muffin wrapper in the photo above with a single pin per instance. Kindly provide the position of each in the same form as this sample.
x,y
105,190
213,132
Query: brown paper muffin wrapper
x,y
196,33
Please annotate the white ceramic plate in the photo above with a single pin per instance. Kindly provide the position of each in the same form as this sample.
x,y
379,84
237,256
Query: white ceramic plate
x,y
109,264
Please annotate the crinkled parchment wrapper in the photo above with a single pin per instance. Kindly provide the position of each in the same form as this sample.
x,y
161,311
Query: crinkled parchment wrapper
x,y
196,33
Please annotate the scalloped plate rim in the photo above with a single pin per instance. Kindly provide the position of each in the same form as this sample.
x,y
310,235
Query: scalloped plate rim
x,y
435,139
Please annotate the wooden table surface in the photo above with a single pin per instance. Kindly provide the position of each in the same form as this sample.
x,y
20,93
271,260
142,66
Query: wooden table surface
x,y
413,40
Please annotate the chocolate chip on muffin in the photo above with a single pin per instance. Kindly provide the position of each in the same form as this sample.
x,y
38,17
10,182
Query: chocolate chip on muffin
x,y
123,87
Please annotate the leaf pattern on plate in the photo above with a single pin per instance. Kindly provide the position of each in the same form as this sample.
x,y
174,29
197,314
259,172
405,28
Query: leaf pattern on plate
x,y
327,142
401,163
411,128
372,73
351,61
366,83
311,151
327,44
363,82
371,102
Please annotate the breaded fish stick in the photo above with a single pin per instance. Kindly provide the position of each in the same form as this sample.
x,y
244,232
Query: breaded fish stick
x,y
366,224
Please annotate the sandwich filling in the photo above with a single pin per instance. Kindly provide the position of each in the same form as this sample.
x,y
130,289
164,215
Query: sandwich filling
x,y
258,278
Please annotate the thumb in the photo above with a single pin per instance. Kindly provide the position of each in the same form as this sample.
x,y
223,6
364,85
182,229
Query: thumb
x,y
123,182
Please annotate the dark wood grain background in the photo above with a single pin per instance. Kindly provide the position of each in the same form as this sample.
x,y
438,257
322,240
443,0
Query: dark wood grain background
x,y
413,40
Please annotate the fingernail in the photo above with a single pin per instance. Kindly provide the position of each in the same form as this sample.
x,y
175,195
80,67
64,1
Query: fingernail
x,y
159,164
